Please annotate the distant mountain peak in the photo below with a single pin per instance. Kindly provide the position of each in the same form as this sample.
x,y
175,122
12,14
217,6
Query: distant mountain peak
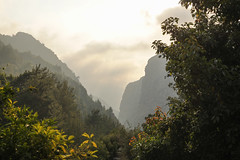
x,y
141,97
25,42
24,34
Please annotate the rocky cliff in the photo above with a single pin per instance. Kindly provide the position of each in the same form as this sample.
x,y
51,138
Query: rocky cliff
x,y
141,97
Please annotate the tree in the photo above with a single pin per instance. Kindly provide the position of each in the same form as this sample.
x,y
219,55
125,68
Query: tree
x,y
204,60
24,136
41,90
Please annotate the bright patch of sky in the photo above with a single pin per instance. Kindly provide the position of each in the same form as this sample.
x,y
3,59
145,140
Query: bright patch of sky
x,y
121,21
105,42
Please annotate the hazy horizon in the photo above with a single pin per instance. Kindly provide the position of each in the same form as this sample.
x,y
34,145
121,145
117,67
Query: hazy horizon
x,y
107,43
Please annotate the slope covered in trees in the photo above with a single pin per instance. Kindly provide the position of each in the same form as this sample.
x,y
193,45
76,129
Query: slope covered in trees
x,y
24,136
24,42
204,60
22,52
50,93
40,90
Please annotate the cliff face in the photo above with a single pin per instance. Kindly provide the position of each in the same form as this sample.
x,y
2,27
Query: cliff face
x,y
140,98
130,103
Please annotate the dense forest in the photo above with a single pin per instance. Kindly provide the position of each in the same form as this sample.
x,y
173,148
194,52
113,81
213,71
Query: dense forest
x,y
47,90
40,90
43,113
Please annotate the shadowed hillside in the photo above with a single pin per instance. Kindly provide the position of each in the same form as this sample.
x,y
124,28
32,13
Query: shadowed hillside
x,y
24,42
22,52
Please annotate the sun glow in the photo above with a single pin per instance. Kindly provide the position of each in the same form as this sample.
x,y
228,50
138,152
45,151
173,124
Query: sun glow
x,y
113,19
121,32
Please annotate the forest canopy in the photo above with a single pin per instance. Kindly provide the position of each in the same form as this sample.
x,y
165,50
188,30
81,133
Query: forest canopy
x,y
52,115
42,111
204,60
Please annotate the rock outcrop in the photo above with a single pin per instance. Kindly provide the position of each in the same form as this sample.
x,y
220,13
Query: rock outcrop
x,y
141,97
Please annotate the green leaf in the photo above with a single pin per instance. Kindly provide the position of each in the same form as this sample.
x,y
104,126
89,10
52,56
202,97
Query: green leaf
x,y
92,152
83,143
94,156
85,135
63,149
91,135
70,137
94,144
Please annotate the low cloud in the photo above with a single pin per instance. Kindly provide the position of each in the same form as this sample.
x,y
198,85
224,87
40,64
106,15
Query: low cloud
x,y
106,68
182,13
8,28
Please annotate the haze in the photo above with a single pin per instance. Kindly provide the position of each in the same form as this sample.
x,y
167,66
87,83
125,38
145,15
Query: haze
x,y
105,42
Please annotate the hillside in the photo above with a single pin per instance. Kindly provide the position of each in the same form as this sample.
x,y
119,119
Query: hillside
x,y
24,42
22,52
46,89
141,97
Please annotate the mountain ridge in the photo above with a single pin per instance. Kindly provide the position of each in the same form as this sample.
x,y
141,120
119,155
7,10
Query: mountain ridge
x,y
24,42
17,55
141,97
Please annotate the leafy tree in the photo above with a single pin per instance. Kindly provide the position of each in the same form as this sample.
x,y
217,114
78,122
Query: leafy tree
x,y
204,60
41,90
116,144
50,92
100,124
23,136
144,143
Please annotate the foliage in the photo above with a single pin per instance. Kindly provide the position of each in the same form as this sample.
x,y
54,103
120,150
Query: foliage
x,y
112,137
41,90
85,150
49,91
100,124
16,62
154,137
204,60
115,145
23,136
21,63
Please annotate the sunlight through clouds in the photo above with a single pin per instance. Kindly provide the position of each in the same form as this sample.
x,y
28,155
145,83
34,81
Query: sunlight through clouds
x,y
105,42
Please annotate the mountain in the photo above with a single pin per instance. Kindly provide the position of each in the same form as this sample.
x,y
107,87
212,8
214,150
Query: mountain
x,y
24,42
15,62
22,52
141,97
52,90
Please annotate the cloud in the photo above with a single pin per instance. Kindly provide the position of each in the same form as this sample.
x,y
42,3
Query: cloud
x,y
8,27
106,68
183,14
122,32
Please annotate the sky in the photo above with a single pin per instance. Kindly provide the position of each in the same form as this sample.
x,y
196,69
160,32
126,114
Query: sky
x,y
107,43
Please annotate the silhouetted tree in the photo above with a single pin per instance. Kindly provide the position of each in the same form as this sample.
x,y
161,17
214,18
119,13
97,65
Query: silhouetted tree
x,y
204,60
